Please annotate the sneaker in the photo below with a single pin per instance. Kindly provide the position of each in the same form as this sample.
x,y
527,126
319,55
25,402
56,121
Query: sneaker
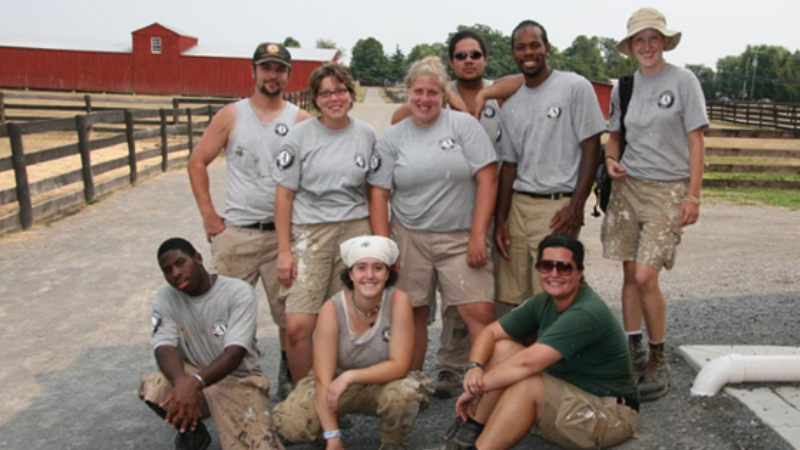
x,y
199,439
285,384
462,435
655,381
638,358
446,384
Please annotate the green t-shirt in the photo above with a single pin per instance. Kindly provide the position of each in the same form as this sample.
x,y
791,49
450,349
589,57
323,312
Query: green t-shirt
x,y
588,336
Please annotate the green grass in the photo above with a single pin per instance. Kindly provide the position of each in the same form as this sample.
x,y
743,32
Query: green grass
x,y
751,176
752,161
753,196
361,92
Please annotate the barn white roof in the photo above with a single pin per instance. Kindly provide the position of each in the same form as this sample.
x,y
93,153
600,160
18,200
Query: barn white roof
x,y
246,51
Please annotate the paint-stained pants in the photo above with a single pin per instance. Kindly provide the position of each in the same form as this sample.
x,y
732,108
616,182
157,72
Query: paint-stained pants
x,y
238,406
397,403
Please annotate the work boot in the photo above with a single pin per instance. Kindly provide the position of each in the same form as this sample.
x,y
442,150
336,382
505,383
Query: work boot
x,y
462,435
199,439
638,356
446,384
285,385
655,381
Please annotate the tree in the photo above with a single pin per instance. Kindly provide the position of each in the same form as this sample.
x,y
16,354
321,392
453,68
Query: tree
x,y
369,64
327,43
397,69
583,57
291,42
616,64
707,79
422,51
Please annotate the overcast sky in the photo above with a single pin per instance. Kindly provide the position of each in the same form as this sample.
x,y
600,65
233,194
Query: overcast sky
x,y
711,28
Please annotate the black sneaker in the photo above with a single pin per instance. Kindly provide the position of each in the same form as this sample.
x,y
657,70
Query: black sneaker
x,y
199,439
462,435
655,382
446,384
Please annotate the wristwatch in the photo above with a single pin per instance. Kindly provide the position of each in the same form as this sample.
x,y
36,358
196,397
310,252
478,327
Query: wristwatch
x,y
472,365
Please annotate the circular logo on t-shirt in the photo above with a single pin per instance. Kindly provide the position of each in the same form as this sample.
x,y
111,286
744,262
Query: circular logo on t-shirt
x,y
553,112
281,129
155,323
360,161
285,158
499,134
219,329
447,143
489,112
666,99
386,334
375,162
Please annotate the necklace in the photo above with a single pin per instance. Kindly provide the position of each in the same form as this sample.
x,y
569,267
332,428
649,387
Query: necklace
x,y
359,311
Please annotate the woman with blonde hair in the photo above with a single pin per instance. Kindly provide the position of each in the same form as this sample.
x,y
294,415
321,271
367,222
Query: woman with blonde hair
x,y
439,170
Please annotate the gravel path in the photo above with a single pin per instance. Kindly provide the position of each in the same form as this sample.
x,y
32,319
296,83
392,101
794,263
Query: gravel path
x,y
75,298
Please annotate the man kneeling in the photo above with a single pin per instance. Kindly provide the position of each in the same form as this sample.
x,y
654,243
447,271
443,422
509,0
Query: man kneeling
x,y
204,335
574,386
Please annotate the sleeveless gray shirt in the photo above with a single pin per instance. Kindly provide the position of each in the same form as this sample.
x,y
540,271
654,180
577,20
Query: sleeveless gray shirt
x,y
251,153
372,347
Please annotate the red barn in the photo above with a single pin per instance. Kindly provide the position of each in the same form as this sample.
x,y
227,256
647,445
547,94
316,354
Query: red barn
x,y
603,92
161,60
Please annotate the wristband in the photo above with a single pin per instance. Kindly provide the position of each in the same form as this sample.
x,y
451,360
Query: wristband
x,y
332,434
200,379
472,365
612,157
692,199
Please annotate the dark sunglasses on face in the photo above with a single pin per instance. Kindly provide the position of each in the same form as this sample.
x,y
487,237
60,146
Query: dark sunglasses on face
x,y
545,266
461,56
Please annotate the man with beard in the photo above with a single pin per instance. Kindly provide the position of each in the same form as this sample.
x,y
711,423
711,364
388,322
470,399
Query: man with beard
x,y
468,57
551,124
251,131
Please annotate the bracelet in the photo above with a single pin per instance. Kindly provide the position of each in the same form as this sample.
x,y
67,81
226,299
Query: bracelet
x,y
612,157
332,434
474,364
692,199
200,379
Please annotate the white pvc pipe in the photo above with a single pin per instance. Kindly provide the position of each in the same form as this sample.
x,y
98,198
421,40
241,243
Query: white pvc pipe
x,y
735,368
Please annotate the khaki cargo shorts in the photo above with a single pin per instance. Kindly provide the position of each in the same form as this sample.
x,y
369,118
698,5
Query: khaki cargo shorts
x,y
319,263
642,222
431,260
528,224
248,254
397,403
239,407
575,419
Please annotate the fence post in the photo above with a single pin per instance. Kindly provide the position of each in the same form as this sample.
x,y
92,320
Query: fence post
x,y
88,100
20,176
175,105
131,146
2,107
82,124
794,117
164,156
189,129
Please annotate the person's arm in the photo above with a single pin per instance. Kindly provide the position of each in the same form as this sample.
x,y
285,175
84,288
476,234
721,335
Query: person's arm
x,y
401,351
570,219
480,353
613,166
401,113
690,211
214,140
326,353
287,266
477,253
505,191
379,211
500,90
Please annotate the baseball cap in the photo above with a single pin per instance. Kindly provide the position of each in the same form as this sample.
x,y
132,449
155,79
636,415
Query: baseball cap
x,y
271,52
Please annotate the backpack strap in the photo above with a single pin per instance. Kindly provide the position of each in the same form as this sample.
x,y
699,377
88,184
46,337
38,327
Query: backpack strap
x,y
625,94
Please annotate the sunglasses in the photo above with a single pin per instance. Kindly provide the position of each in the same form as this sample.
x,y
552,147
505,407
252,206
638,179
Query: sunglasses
x,y
545,266
461,56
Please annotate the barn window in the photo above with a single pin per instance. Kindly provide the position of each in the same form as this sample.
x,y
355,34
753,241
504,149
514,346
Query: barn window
x,y
155,45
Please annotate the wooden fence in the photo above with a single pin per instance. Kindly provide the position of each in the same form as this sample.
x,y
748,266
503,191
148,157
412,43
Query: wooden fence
x,y
782,116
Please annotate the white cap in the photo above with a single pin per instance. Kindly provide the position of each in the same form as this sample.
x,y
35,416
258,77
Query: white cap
x,y
378,247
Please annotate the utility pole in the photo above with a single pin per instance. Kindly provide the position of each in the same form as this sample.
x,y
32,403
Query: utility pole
x,y
753,83
744,81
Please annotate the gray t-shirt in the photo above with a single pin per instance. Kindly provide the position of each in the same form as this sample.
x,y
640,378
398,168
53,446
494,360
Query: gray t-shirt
x,y
543,128
250,156
663,110
490,118
326,168
431,171
202,327
372,347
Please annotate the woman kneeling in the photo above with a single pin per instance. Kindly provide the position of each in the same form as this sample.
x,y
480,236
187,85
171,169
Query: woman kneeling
x,y
363,347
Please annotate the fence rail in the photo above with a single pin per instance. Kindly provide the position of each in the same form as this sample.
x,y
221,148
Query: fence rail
x,y
781,116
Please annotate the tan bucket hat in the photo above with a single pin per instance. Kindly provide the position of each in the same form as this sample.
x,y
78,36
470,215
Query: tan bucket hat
x,y
648,18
